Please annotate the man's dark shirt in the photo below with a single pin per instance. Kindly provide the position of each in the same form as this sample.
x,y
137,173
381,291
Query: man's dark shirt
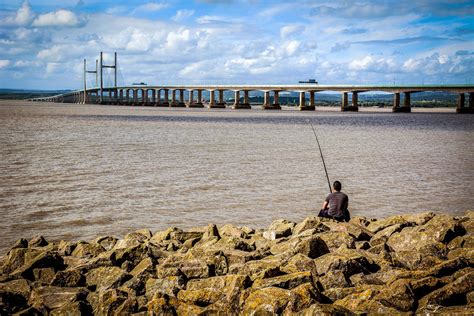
x,y
338,202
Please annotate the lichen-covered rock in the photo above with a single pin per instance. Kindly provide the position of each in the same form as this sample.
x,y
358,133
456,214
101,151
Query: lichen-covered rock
x,y
69,278
14,295
347,261
72,309
382,235
106,242
325,310
43,276
87,250
232,231
278,229
65,248
104,278
53,297
43,260
224,289
258,269
169,285
267,301
299,263
146,266
192,268
334,279
311,222
364,302
37,241
399,295
334,239
287,281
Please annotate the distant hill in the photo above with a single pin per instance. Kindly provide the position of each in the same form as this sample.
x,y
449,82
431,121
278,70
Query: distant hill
x,y
18,94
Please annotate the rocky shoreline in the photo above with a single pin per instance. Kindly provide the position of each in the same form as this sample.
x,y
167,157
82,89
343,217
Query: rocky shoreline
x,y
420,263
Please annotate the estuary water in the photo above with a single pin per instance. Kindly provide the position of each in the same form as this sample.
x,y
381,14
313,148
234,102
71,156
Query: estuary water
x,y
73,172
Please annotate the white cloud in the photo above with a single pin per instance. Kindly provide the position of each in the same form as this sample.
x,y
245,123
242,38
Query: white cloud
x,y
371,64
24,15
292,29
151,7
57,18
4,63
291,47
182,15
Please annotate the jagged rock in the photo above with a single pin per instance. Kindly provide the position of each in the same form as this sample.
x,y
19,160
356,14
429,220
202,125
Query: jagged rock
x,y
232,231
43,276
87,250
347,261
225,289
441,228
170,285
146,266
182,236
159,236
312,246
278,229
453,293
467,253
364,302
334,279
52,297
424,256
69,278
265,301
20,243
406,220
37,241
73,308
192,268
258,269
42,260
325,310
399,295
287,281
311,222
134,254
14,259
364,245
30,311
14,296
337,293
104,278
358,232
107,242
65,248
335,239
305,296
109,302
382,235
299,263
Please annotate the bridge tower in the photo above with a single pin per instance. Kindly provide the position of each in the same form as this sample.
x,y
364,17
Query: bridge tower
x,y
102,66
85,77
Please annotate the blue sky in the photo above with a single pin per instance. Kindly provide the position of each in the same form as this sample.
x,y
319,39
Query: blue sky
x,y
43,43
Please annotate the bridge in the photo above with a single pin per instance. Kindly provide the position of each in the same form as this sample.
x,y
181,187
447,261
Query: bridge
x,y
174,95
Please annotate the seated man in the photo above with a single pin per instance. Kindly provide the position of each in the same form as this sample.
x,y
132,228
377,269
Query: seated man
x,y
336,204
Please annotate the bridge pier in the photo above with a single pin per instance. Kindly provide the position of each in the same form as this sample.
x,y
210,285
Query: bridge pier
x,y
345,107
221,102
191,103
266,101
181,103
303,106
461,107
166,101
173,98
245,104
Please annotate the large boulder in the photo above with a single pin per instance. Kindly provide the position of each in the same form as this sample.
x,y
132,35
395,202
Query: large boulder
x,y
14,295
42,260
311,222
348,261
334,239
267,301
170,285
224,289
46,298
259,269
287,281
278,229
87,250
104,278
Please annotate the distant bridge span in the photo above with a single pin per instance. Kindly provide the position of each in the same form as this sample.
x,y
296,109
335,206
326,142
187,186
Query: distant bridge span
x,y
173,95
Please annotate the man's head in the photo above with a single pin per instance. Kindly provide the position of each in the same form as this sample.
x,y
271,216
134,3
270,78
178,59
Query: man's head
x,y
337,186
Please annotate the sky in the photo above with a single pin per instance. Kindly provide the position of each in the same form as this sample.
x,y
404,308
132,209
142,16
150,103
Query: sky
x,y
43,43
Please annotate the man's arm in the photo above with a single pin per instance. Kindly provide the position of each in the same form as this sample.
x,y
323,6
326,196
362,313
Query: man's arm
x,y
325,205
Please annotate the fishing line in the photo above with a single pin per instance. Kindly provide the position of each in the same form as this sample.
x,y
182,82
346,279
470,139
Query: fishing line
x,y
322,157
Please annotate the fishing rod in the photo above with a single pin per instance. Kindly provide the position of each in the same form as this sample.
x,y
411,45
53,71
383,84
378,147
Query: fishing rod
x,y
322,157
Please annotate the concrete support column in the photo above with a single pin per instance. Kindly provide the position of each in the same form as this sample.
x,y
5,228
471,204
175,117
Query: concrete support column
x,y
166,100
246,103
190,99
344,100
158,98
181,98
462,108
310,106
355,99
212,101
276,101
153,97
173,98
127,96
221,101
237,104
135,97
396,100
266,102
199,99
145,96
120,101
406,99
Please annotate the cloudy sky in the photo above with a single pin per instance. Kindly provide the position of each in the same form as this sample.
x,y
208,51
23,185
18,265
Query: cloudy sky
x,y
43,43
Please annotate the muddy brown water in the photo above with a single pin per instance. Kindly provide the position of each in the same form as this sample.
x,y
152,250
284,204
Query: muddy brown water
x,y
79,171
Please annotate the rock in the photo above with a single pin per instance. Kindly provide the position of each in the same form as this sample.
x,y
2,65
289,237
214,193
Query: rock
x,y
278,229
334,279
267,301
109,302
381,224
232,231
73,308
357,231
364,245
65,248
43,275
364,302
305,296
325,310
287,281
224,289
347,261
399,295
382,235
258,269
87,250
37,241
42,260
104,278
52,297
337,293
453,293
170,285
14,296
299,263
69,278
14,260
424,256
192,268
146,266
20,243
30,311
106,242
211,232
311,222
334,240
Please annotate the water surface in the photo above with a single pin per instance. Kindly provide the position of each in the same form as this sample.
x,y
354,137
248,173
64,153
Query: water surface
x,y
78,171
